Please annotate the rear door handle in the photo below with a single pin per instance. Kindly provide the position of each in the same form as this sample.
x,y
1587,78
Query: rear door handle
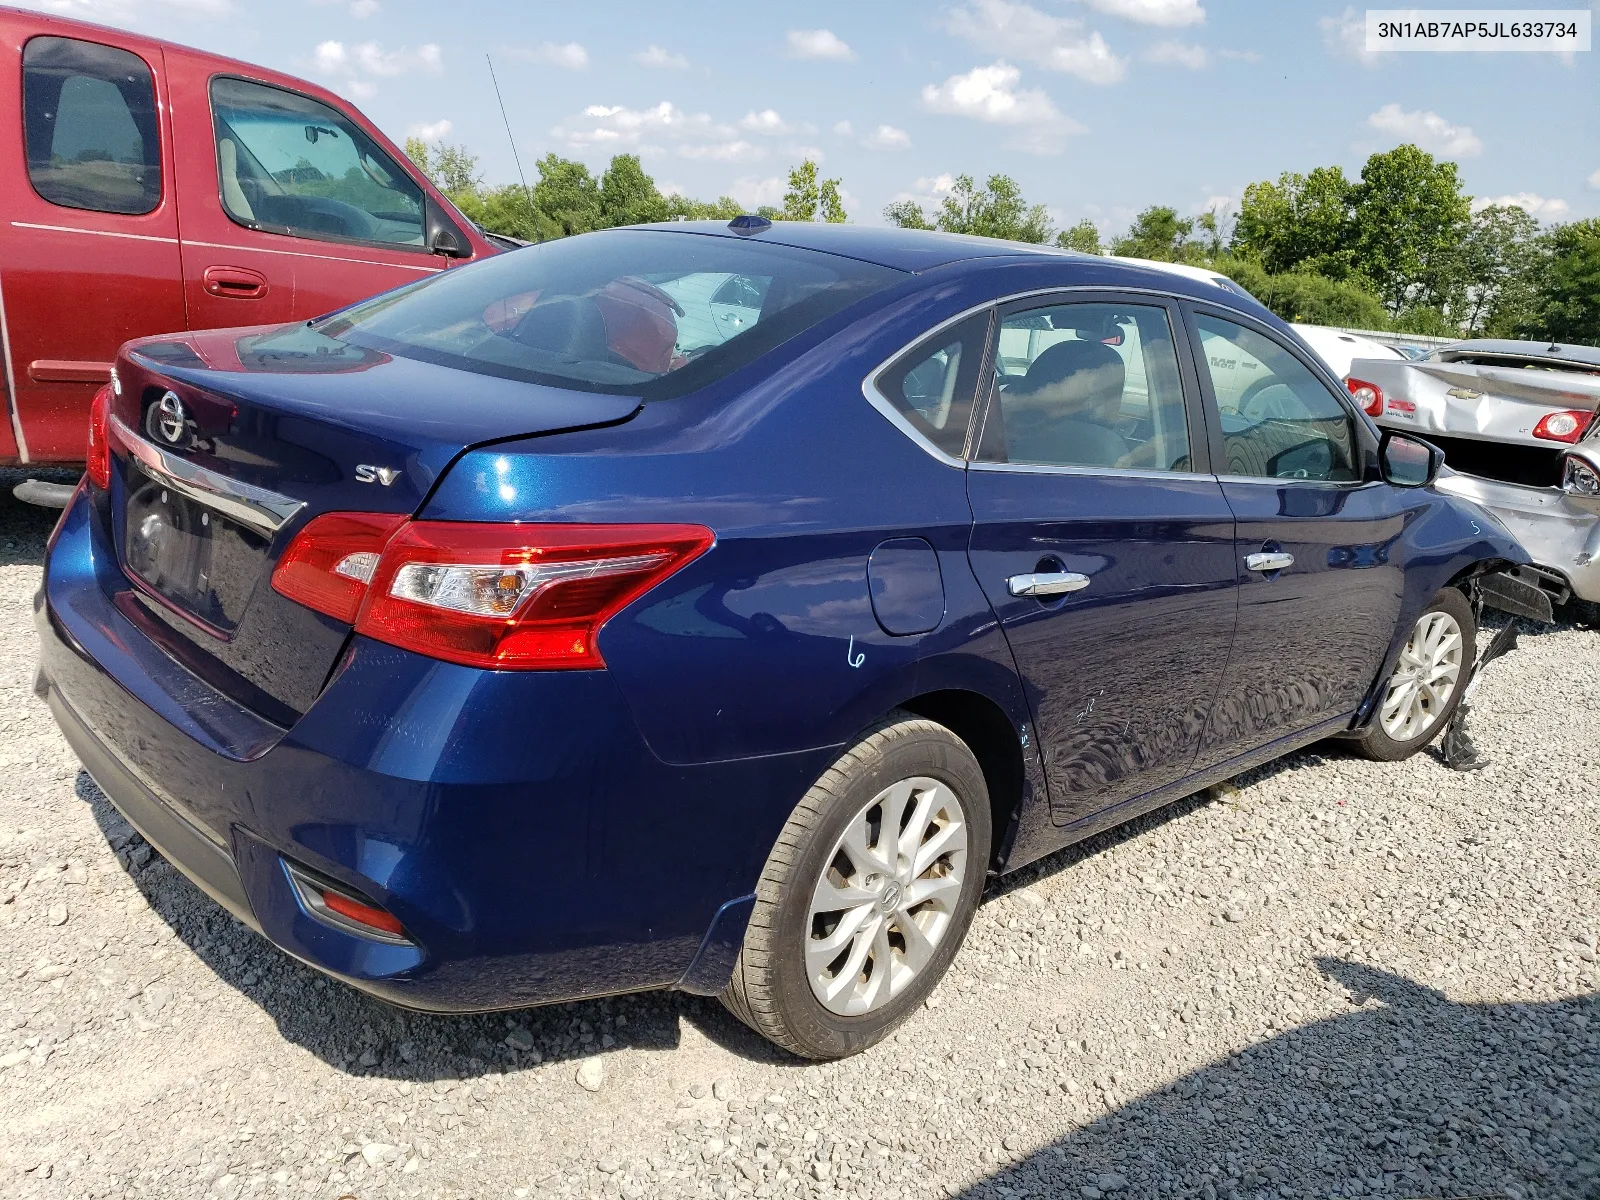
x,y
1269,560
1047,583
237,283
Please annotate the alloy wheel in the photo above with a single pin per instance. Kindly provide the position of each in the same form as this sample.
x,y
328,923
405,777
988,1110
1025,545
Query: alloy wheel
x,y
1425,679
887,896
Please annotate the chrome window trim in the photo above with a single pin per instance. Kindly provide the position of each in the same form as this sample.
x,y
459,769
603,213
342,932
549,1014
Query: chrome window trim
x,y
1065,469
264,511
875,397
1275,481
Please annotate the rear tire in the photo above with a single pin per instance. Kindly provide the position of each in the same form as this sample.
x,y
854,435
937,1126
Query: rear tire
x,y
846,938
1426,686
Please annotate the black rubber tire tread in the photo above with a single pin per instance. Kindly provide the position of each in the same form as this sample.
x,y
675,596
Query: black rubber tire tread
x,y
1378,745
750,994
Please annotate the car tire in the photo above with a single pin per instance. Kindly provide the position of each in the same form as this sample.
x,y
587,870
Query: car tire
x,y
926,772
1400,727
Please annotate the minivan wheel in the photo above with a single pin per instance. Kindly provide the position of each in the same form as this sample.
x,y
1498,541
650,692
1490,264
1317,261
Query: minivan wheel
x,y
1428,681
867,894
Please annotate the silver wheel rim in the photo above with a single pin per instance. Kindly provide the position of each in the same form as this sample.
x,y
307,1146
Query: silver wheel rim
x,y
1425,678
887,896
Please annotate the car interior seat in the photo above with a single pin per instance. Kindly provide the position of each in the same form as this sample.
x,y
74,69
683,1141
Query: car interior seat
x,y
1059,428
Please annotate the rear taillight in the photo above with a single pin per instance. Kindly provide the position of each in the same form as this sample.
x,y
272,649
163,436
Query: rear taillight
x,y
328,565
1368,395
1565,426
499,596
98,455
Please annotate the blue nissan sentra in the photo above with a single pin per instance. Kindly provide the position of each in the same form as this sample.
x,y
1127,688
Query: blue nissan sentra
x,y
715,606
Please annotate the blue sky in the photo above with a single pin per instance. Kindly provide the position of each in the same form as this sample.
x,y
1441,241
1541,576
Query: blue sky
x,y
1097,107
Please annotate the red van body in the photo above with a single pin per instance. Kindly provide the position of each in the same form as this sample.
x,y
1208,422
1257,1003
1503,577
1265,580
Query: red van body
x,y
97,125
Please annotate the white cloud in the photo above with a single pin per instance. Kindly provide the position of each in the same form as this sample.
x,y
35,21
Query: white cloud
x,y
1169,13
1428,130
616,128
568,55
769,123
1240,55
990,94
430,131
655,56
370,58
1594,181
1346,36
737,150
842,128
1185,55
1531,203
1018,31
359,9
753,192
818,43
887,137
800,153
359,89
127,12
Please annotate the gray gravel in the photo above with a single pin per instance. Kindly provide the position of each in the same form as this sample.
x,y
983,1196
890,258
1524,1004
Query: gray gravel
x,y
1336,978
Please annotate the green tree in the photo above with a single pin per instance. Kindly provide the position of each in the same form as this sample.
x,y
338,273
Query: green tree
x,y
1566,305
1306,296
907,214
810,198
1159,233
724,208
451,168
628,196
1083,237
568,195
1301,220
995,210
1409,214
1497,259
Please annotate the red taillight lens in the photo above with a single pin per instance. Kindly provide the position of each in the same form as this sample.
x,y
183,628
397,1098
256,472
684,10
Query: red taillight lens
x,y
361,914
1368,395
1567,426
517,596
328,565
98,456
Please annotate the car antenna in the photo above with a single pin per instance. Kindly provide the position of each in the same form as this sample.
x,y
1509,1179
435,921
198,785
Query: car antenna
x,y
515,157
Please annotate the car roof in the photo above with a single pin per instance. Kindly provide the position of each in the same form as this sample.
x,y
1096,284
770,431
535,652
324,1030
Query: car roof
x,y
1589,356
883,245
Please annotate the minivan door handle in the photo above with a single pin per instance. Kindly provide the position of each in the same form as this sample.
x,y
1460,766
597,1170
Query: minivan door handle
x,y
1047,583
237,283
1269,560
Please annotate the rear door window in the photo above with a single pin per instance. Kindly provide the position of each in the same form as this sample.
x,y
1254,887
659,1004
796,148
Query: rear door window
x,y
89,114
289,164
931,388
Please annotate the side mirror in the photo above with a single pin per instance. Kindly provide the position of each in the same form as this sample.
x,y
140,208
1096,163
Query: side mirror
x,y
1408,462
442,235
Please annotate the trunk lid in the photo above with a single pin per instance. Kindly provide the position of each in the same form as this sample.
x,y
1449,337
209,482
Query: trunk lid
x,y
226,443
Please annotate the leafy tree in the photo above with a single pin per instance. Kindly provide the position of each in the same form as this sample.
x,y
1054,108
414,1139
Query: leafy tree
x,y
628,196
1567,299
1301,220
808,197
451,168
1408,215
724,208
1307,296
1497,260
1083,236
995,210
1159,233
568,195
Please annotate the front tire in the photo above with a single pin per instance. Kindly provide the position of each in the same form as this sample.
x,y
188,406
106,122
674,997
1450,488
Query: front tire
x,y
1427,684
867,894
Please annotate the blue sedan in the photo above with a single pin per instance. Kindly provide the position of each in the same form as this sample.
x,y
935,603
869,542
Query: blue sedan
x,y
716,607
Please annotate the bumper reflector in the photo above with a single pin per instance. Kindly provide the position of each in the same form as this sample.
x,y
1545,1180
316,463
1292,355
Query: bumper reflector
x,y
338,908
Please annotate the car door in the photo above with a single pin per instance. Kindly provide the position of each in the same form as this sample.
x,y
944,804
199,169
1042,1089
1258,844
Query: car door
x,y
1320,591
89,257
1103,542
290,208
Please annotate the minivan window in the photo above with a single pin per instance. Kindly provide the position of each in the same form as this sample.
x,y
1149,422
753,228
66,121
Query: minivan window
x,y
646,313
288,164
89,115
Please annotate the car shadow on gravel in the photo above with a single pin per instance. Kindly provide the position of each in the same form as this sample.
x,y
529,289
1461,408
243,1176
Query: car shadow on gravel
x,y
1415,1095
362,1035
25,527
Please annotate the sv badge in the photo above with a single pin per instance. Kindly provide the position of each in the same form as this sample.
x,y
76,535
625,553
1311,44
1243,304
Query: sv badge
x,y
366,473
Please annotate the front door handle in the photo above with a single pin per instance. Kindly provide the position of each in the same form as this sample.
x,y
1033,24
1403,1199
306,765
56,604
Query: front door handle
x,y
1269,560
1047,583
238,283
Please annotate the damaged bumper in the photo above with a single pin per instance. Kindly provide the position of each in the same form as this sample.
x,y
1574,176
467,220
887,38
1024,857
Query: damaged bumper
x,y
1560,532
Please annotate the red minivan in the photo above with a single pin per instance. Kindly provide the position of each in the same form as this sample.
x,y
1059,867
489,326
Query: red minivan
x,y
147,187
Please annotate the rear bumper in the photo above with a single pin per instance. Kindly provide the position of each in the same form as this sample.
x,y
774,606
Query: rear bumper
x,y
1558,534
515,822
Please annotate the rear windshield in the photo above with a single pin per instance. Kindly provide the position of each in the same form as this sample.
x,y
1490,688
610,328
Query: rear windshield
x,y
632,312
1512,360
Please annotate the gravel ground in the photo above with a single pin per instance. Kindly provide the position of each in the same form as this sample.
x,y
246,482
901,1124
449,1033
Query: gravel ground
x,y
1335,978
